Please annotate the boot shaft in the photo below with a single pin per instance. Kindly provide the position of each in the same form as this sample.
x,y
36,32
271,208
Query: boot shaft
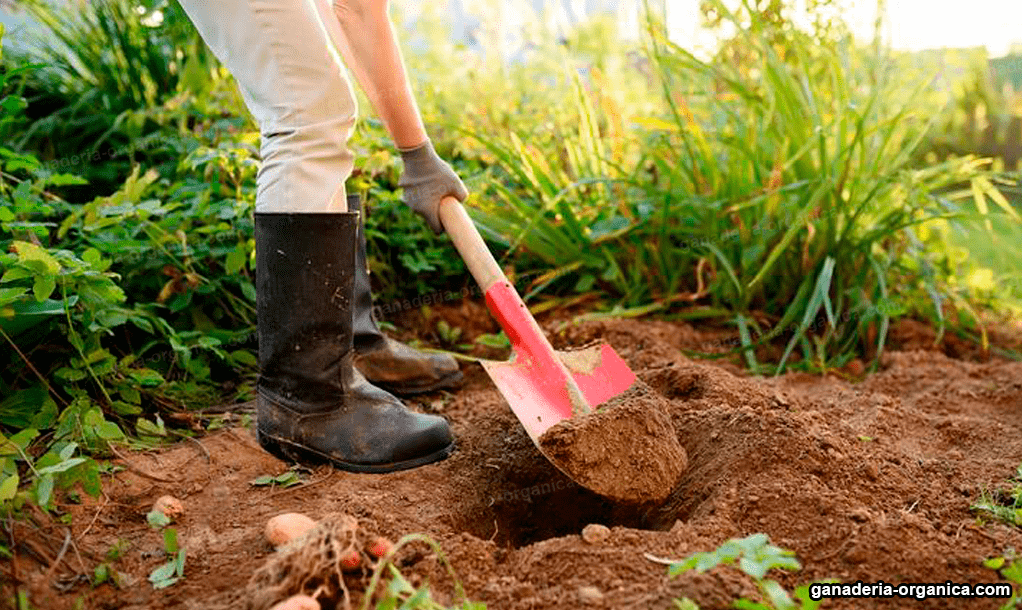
x,y
305,279
368,335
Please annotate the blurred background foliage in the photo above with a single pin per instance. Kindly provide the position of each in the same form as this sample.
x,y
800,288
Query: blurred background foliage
x,y
800,186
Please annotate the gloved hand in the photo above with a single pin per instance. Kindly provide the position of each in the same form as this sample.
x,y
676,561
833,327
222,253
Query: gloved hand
x,y
426,180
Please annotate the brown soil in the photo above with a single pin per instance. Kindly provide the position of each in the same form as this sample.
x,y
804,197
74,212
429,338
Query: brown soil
x,y
627,450
867,480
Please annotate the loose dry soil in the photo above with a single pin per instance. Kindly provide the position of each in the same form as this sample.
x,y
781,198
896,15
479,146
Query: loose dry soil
x,y
865,480
626,450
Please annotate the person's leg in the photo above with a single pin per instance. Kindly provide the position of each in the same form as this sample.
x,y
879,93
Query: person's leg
x,y
312,404
392,365
297,90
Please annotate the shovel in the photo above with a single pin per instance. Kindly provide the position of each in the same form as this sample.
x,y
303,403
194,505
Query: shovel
x,y
543,386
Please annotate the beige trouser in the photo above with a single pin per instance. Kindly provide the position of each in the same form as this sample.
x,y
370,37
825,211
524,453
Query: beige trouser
x,y
296,89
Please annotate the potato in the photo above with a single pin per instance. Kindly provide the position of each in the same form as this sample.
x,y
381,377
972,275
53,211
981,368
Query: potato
x,y
297,602
284,528
350,560
170,506
379,547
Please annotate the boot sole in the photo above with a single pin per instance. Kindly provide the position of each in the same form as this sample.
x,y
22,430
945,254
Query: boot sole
x,y
293,452
450,382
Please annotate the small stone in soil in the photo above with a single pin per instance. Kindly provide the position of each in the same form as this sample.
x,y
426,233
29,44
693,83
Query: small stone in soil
x,y
590,595
594,533
626,450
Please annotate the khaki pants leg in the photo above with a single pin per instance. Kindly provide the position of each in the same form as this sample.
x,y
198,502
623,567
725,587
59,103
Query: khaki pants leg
x,y
297,90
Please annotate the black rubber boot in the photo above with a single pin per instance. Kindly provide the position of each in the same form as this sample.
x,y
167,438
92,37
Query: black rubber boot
x,y
385,362
312,405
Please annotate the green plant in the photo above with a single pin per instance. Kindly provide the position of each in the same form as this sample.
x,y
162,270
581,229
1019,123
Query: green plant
x,y
404,256
399,593
776,187
755,556
105,571
74,378
285,480
1010,569
106,68
1004,505
173,570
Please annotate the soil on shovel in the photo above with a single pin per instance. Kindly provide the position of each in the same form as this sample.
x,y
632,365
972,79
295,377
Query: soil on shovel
x,y
626,450
863,479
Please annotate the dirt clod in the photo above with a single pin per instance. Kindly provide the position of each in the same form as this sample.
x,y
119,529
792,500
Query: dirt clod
x,y
626,450
170,506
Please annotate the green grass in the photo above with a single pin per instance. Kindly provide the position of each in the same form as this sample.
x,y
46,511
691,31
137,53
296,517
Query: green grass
x,y
1004,505
777,184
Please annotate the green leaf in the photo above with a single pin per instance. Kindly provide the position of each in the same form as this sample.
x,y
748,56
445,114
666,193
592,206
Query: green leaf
x,y
124,408
64,180
777,596
9,487
288,479
163,576
235,260
497,341
131,395
21,441
68,451
170,540
46,416
1013,572
70,375
179,564
145,427
9,295
63,466
31,253
43,287
100,575
994,563
14,274
248,290
157,519
754,569
244,358
90,479
146,377
142,323
44,490
109,431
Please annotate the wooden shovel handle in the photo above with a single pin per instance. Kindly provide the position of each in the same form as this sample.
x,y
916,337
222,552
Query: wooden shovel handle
x,y
470,244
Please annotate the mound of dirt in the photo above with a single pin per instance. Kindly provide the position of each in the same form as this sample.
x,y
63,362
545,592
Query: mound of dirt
x,y
626,450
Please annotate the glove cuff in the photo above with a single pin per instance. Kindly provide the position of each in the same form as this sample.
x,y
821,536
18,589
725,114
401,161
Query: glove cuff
x,y
418,153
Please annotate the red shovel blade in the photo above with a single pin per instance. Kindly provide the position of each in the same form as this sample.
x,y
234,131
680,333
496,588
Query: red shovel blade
x,y
535,381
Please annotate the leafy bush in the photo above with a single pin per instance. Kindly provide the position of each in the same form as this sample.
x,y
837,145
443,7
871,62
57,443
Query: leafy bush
x,y
89,365
105,71
776,188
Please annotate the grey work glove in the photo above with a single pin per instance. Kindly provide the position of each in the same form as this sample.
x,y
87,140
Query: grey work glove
x,y
426,180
